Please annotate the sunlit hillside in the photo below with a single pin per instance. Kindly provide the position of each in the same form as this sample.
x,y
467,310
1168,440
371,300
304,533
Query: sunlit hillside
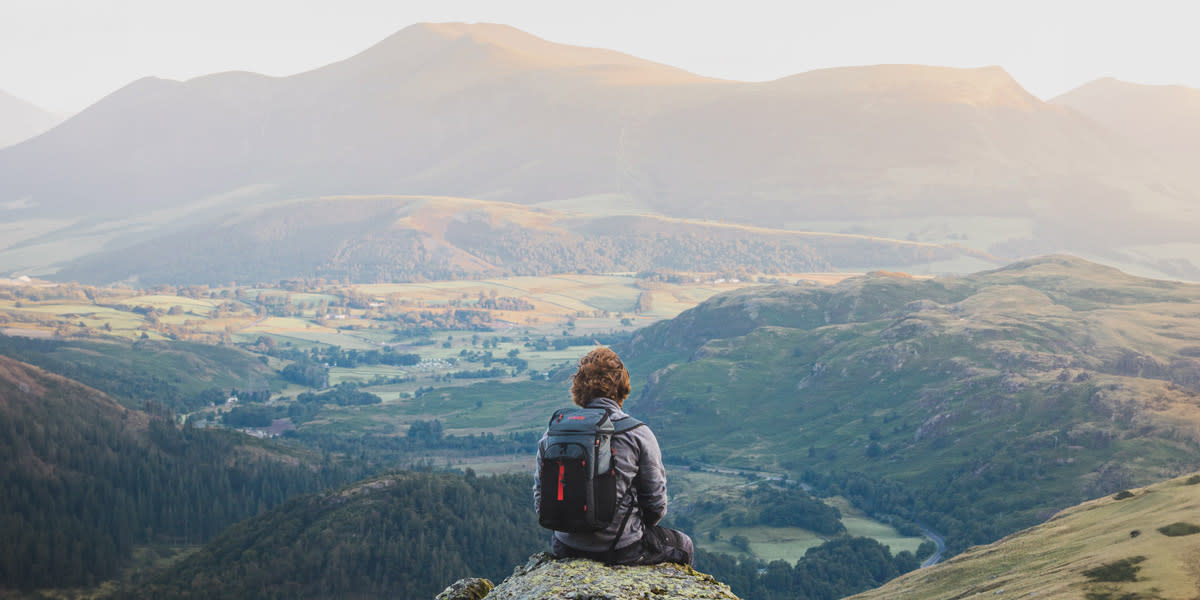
x,y
977,405
1138,544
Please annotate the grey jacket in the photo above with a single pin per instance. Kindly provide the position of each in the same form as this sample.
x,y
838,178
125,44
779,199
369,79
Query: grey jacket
x,y
638,463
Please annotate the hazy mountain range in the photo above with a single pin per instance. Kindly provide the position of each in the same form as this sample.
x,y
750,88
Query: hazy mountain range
x,y
1163,120
488,112
21,120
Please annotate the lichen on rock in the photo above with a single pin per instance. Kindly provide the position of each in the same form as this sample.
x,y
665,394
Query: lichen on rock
x,y
545,577
471,588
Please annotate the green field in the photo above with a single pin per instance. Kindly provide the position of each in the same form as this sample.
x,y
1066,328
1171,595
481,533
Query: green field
x,y
767,543
364,373
885,534
471,407
195,306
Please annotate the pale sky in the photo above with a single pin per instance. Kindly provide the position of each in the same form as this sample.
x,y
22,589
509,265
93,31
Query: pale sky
x,y
63,55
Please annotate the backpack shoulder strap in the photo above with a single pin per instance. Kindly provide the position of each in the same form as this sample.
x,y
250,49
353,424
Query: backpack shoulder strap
x,y
626,424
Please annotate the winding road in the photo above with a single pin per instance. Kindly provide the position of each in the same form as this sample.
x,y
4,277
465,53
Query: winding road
x,y
933,536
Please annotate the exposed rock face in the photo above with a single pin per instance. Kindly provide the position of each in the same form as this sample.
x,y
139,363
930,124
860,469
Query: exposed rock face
x,y
546,578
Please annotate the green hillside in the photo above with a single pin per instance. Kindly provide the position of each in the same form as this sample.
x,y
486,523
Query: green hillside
x,y
83,480
975,405
178,375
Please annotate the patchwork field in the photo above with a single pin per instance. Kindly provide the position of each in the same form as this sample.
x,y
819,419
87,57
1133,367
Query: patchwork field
x,y
437,320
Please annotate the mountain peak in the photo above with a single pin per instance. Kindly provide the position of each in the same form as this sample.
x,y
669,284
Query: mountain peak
x,y
426,43
491,32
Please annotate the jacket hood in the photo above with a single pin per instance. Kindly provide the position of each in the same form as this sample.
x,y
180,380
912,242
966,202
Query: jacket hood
x,y
610,404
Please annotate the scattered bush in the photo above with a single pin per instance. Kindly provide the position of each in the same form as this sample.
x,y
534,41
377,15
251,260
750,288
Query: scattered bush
x,y
1123,494
1122,570
1193,480
1113,596
1179,528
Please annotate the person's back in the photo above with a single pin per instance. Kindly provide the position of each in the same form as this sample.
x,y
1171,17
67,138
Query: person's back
x,y
633,536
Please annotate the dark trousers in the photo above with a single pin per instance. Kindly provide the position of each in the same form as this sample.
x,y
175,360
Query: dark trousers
x,y
658,545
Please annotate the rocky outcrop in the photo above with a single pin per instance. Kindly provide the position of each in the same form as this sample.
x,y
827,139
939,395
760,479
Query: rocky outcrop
x,y
471,588
546,578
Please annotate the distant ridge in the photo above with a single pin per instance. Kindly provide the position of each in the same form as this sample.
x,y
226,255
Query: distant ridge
x,y
21,120
1164,119
405,238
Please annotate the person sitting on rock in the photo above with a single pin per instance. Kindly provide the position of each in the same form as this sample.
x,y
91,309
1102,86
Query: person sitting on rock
x,y
634,537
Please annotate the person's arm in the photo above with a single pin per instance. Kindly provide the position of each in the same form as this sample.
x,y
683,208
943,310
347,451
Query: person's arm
x,y
651,478
537,476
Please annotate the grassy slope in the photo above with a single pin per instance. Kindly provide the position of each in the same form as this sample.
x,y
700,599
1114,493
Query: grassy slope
x,y
145,370
1016,391
1049,560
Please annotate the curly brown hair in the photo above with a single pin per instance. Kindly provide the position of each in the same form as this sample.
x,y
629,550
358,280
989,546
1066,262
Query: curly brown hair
x,y
601,374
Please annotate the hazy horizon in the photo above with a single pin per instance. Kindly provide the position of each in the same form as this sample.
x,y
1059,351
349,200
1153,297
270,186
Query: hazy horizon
x,y
63,55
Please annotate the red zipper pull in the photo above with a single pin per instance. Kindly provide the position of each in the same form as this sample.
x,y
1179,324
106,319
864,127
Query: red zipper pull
x,y
561,471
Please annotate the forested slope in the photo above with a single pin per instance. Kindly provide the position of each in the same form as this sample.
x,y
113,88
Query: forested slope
x,y
399,536
83,480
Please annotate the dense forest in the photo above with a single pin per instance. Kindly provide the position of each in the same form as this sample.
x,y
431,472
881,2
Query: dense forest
x,y
83,480
399,536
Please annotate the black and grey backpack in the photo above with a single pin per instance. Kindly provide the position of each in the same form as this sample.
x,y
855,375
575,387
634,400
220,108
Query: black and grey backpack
x,y
578,474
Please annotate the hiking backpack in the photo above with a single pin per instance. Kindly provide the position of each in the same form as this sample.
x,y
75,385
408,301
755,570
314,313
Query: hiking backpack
x,y
578,473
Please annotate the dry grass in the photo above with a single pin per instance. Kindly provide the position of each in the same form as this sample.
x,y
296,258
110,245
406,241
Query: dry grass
x,y
1049,560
